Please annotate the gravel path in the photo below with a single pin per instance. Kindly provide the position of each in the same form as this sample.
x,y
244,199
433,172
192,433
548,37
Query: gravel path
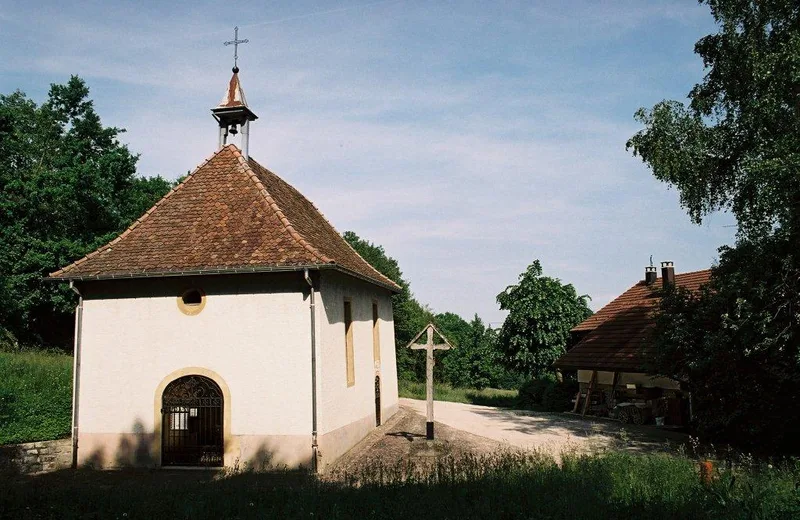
x,y
551,432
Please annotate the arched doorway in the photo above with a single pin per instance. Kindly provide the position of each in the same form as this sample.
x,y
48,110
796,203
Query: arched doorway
x,y
191,423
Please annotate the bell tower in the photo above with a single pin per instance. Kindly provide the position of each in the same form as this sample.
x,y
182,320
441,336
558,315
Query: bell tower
x,y
232,113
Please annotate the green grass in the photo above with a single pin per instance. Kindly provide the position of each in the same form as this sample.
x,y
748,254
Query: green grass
x,y
35,396
504,485
445,392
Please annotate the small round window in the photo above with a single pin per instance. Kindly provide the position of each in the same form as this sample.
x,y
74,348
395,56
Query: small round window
x,y
192,301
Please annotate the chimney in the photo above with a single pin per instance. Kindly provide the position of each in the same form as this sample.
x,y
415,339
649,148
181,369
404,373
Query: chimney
x,y
667,274
650,274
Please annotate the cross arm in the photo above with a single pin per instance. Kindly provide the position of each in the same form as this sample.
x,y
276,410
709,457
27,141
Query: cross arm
x,y
424,346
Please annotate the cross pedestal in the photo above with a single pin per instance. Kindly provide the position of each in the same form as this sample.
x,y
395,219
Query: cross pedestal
x,y
429,347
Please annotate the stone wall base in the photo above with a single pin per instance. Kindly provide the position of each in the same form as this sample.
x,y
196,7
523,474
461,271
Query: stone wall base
x,y
36,457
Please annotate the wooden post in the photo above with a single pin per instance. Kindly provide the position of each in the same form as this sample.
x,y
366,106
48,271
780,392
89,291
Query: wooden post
x,y
614,389
429,387
577,401
589,392
429,347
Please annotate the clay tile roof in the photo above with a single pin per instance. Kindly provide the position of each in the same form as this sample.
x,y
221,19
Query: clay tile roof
x,y
229,215
616,336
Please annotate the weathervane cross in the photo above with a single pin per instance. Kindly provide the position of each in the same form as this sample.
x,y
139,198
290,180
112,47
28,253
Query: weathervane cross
x,y
235,42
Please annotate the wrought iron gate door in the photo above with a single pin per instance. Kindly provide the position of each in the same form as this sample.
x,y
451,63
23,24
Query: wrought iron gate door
x,y
191,423
377,400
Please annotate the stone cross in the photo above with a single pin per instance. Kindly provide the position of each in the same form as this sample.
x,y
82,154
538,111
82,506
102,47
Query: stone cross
x,y
429,361
235,42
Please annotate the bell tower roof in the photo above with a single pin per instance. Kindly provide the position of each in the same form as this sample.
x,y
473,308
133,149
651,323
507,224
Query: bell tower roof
x,y
234,95
233,106
232,114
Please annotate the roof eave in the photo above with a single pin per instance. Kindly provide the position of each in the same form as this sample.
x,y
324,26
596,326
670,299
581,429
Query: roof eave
x,y
394,288
599,367
66,277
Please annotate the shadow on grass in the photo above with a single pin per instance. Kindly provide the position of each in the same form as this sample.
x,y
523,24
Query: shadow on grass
x,y
407,435
654,487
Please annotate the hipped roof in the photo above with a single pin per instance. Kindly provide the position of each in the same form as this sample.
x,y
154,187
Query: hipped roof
x,y
230,215
618,338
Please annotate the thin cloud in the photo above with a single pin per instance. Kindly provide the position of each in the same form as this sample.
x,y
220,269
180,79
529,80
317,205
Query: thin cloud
x,y
466,141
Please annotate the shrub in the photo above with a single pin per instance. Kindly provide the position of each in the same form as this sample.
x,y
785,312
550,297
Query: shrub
x,y
558,396
532,391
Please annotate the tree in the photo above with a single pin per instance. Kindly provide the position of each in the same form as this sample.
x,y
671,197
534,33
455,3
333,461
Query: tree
x,y
476,361
736,147
734,347
542,311
66,186
409,316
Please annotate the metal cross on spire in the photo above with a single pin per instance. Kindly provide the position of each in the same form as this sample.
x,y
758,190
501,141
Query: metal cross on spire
x,y
235,42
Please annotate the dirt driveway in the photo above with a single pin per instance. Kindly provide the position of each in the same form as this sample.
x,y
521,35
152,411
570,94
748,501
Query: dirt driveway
x,y
552,432
482,430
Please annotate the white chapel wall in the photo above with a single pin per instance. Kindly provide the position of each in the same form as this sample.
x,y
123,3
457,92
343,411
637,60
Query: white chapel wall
x,y
253,332
346,414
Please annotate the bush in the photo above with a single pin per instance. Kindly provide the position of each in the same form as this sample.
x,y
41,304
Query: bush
x,y
35,396
558,396
532,391
547,394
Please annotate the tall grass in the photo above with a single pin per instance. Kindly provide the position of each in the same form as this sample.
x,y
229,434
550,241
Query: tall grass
x,y
35,396
445,392
503,485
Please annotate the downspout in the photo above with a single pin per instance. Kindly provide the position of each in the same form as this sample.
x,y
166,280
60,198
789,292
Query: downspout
x,y
314,445
76,371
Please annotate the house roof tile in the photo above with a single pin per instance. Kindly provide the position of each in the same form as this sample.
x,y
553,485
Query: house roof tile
x,y
616,337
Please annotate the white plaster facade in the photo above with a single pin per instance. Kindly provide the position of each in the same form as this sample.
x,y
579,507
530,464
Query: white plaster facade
x,y
253,337
347,414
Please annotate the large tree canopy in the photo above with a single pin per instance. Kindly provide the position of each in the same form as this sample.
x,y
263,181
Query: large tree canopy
x,y
736,147
541,312
735,346
67,185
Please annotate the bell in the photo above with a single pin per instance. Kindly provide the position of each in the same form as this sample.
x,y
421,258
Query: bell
x,y
232,130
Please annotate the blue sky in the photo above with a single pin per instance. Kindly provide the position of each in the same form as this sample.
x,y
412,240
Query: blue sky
x,y
468,138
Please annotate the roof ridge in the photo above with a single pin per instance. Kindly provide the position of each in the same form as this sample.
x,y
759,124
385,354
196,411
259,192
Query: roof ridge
x,y
695,272
682,274
287,225
139,220
321,214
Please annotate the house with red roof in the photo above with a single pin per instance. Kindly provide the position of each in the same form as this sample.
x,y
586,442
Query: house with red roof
x,y
613,350
230,325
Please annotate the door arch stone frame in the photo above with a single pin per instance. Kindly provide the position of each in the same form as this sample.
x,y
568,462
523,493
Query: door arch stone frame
x,y
230,446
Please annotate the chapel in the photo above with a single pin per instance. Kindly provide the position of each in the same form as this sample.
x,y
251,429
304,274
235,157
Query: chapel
x,y
230,325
